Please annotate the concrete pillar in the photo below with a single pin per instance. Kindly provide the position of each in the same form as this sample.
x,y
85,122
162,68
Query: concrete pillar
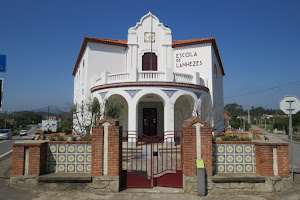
x,y
132,121
198,139
169,121
196,78
275,163
104,78
105,145
169,76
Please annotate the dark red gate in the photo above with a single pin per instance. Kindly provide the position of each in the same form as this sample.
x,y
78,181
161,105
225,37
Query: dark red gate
x,y
149,161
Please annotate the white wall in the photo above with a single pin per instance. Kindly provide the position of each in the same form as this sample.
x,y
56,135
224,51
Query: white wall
x,y
199,56
80,79
218,98
97,59
162,46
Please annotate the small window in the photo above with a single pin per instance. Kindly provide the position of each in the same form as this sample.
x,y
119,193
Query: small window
x,y
149,62
216,71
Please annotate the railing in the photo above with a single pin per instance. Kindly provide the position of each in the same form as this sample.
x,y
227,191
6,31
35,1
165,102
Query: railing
x,y
151,76
107,78
179,77
119,77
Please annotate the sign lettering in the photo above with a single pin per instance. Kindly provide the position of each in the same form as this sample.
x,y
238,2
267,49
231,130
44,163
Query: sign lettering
x,y
187,59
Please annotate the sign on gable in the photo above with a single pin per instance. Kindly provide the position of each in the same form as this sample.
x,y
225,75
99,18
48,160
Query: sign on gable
x,y
187,58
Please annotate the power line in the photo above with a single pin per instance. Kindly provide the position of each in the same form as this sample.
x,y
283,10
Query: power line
x,y
258,91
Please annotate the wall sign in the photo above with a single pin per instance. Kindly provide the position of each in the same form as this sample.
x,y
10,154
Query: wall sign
x,y
187,59
149,36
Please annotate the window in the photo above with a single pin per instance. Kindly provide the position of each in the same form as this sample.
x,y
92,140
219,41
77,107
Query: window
x,y
216,71
149,62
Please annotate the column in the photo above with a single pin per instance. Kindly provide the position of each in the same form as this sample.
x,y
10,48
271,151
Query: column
x,y
169,122
132,122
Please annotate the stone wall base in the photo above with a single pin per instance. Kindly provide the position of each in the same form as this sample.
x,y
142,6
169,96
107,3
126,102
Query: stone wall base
x,y
99,184
190,184
30,181
105,184
272,184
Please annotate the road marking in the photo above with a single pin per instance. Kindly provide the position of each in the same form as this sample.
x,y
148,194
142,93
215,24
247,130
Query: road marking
x,y
4,141
6,153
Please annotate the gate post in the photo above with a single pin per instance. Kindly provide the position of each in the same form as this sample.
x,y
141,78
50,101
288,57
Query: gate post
x,y
106,153
196,144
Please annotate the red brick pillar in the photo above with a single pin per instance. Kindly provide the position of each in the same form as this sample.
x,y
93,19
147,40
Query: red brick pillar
x,y
113,148
97,151
283,160
264,154
18,160
32,152
264,159
206,148
189,151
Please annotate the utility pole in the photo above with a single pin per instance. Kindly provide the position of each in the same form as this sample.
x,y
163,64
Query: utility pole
x,y
48,113
290,105
265,123
291,137
249,117
6,112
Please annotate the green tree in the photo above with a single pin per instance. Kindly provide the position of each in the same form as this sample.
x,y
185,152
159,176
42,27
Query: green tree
x,y
85,116
234,109
112,109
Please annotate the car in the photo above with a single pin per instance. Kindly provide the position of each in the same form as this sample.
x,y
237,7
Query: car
x,y
5,134
23,132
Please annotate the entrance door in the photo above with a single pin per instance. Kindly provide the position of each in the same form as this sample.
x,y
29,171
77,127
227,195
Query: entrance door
x,y
150,121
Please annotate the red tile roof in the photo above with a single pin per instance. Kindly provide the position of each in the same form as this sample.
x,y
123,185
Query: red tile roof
x,y
123,43
226,116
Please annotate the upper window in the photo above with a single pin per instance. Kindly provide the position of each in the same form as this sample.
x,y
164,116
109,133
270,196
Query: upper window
x,y
216,71
149,62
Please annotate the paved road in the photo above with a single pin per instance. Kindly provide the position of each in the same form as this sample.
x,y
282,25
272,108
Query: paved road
x,y
6,145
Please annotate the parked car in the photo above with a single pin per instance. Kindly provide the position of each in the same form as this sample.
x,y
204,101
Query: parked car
x,y
5,134
23,132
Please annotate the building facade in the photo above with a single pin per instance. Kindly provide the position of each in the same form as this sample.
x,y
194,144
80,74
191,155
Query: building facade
x,y
159,82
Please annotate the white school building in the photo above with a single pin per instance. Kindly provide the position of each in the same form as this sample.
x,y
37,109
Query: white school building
x,y
159,81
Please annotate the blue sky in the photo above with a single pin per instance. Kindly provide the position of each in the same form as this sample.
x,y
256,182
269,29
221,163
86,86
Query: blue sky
x,y
258,43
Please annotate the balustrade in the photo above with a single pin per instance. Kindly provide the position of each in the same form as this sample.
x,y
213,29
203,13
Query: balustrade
x,y
107,78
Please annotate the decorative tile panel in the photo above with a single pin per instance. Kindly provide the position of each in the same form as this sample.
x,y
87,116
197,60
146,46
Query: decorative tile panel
x,y
198,95
170,92
132,93
103,94
69,158
234,158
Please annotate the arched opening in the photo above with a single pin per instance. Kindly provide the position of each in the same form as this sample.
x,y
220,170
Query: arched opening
x,y
183,110
116,106
151,115
149,62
